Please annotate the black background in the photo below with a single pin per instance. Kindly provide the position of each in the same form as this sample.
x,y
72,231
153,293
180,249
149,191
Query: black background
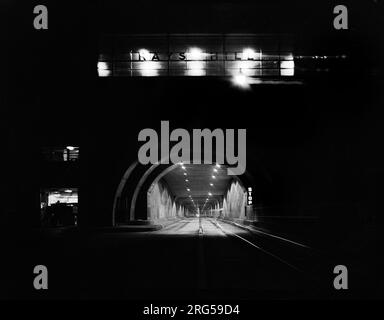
x,y
329,133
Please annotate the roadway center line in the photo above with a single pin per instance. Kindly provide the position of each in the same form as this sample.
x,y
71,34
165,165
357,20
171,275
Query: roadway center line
x,y
256,246
201,265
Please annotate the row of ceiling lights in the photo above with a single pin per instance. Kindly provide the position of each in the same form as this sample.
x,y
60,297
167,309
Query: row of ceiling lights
x,y
215,170
187,180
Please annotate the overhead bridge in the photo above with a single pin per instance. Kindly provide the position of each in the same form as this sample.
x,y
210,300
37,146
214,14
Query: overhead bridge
x,y
139,55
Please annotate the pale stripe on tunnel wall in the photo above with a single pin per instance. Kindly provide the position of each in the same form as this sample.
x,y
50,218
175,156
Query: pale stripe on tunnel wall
x,y
235,201
161,205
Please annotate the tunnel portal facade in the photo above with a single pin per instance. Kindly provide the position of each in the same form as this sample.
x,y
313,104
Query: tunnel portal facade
x,y
182,190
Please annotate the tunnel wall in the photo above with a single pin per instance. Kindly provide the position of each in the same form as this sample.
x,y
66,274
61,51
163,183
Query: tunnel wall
x,y
161,204
234,202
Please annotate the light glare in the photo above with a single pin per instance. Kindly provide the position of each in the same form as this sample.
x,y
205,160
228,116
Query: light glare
x,y
241,81
144,53
287,64
249,54
195,54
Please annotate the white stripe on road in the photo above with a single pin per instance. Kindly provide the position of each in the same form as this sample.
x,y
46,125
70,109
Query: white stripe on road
x,y
273,236
256,246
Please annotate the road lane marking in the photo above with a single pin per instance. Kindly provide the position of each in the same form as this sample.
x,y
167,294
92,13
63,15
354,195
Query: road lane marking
x,y
256,246
272,235
201,267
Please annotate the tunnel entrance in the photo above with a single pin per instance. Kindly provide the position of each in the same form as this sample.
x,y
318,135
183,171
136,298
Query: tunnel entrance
x,y
196,190
153,192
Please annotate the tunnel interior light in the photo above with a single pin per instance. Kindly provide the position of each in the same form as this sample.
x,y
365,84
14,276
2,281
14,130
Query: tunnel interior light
x,y
211,184
188,189
68,191
218,165
209,193
186,180
185,173
70,148
213,177
215,170
183,167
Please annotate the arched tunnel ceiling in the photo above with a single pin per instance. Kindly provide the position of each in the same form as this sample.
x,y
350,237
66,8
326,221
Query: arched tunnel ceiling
x,y
198,179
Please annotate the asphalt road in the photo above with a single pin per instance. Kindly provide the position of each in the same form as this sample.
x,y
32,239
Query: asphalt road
x,y
188,259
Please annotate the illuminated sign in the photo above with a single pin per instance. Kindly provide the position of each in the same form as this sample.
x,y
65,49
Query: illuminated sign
x,y
196,55
249,196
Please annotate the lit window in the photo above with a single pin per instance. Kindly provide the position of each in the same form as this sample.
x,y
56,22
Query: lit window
x,y
68,153
59,207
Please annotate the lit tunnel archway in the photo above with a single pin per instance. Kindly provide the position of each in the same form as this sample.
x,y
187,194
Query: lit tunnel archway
x,y
197,189
131,199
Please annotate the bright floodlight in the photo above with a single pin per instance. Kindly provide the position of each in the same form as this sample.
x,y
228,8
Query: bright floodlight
x,y
195,54
287,72
241,81
287,64
102,65
197,69
102,68
144,53
70,148
68,191
249,54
